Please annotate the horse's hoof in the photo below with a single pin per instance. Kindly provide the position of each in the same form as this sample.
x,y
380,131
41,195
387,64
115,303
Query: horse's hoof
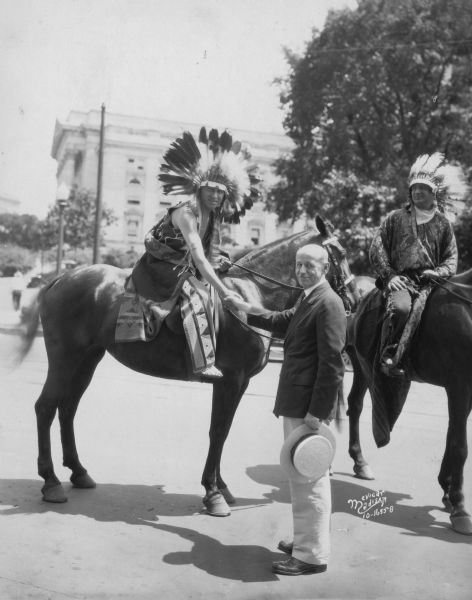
x,y
228,496
363,472
462,524
83,480
54,493
216,505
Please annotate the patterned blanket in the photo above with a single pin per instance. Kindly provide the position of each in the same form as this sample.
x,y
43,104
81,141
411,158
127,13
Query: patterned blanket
x,y
140,319
151,293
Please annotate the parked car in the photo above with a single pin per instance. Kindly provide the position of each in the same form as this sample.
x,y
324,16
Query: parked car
x,y
40,279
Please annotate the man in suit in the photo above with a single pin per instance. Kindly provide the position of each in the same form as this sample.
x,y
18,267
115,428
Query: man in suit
x,y
310,379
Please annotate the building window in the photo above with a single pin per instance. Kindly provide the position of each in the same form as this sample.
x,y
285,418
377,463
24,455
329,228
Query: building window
x,y
255,236
134,202
78,163
132,227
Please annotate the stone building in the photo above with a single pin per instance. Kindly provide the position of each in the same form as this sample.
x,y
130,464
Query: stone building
x,y
132,153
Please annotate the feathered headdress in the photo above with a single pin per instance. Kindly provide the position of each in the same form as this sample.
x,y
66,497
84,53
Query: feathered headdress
x,y
215,158
446,181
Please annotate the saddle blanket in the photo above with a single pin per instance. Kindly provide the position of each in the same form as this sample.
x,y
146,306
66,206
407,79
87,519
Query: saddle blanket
x,y
140,319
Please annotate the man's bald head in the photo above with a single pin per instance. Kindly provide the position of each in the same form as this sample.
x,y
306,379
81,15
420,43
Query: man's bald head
x,y
311,265
314,251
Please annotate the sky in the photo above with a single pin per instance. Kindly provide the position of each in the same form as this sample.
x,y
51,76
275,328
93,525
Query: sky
x,y
193,61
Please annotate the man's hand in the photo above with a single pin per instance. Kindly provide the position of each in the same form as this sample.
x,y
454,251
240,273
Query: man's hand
x,y
236,302
312,421
396,284
225,264
428,274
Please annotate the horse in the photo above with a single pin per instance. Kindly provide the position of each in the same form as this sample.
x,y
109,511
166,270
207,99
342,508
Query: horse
x,y
440,354
78,311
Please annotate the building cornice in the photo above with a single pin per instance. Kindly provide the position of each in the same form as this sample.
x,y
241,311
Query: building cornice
x,y
163,129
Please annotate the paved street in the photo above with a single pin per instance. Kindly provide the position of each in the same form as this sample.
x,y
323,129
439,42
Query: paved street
x,y
142,534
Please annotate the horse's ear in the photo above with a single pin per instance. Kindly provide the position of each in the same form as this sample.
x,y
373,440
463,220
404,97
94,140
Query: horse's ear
x,y
321,226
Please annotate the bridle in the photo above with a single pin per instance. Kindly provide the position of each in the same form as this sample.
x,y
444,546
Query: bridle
x,y
341,283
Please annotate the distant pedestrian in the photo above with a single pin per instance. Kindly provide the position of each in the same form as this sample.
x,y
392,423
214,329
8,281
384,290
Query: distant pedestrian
x,y
17,289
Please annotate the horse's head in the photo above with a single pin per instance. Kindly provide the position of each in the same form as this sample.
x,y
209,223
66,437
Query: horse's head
x,y
339,275
277,260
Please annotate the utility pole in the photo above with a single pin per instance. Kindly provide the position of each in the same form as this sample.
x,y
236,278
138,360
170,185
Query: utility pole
x,y
98,206
62,200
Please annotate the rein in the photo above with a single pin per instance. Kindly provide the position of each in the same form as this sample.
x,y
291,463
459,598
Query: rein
x,y
443,282
247,326
266,277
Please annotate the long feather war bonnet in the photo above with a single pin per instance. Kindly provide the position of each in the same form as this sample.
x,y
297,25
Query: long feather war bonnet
x,y
445,180
187,165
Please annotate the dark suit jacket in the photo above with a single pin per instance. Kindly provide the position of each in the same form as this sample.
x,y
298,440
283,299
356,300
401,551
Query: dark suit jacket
x,y
313,368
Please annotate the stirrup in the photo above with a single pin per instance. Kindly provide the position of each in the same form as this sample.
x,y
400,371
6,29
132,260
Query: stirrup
x,y
211,373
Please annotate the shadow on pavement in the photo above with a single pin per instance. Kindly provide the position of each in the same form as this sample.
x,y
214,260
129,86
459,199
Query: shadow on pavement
x,y
248,563
144,505
415,520
108,502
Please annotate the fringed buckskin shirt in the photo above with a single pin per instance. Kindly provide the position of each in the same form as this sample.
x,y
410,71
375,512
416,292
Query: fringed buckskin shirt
x,y
401,247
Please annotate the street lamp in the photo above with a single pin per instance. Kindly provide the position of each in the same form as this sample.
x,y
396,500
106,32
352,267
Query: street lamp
x,y
62,197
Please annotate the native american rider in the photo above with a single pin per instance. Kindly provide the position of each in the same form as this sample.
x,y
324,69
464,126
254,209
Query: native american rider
x,y
412,247
182,250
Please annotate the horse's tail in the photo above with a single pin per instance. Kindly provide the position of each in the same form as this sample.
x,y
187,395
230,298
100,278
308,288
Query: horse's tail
x,y
29,325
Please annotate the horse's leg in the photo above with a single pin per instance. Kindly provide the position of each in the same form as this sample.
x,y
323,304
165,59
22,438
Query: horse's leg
x,y
56,386
444,477
355,402
67,410
226,396
451,476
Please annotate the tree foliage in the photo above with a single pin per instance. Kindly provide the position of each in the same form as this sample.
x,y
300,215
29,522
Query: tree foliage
x,y
21,230
15,258
374,89
79,221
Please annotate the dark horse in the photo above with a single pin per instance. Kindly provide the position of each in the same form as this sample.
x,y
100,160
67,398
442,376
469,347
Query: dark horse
x,y
78,312
440,354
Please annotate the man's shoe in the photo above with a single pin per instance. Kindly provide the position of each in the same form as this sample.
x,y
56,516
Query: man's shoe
x,y
286,547
293,566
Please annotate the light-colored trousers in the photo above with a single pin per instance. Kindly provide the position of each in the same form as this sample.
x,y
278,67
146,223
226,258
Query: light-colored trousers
x,y
311,508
